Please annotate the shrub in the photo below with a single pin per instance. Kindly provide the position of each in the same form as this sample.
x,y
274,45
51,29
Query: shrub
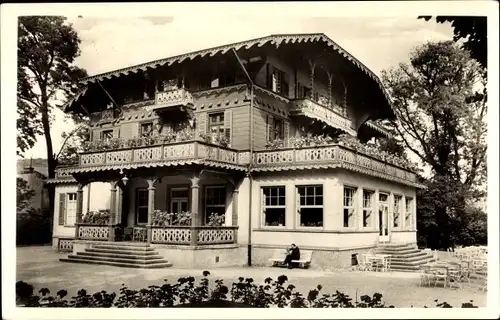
x,y
99,218
186,293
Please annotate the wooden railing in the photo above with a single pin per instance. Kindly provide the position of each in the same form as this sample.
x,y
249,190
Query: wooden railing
x,y
331,154
313,109
190,150
183,235
175,97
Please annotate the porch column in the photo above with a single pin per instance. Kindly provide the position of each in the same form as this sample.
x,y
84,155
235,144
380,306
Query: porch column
x,y
79,207
120,206
112,211
235,212
151,207
195,200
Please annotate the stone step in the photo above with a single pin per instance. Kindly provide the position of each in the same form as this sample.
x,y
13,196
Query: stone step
x,y
412,261
153,256
118,264
123,260
397,245
122,247
399,251
124,252
410,256
123,243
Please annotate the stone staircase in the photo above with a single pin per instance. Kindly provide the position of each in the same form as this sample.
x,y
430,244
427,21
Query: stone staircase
x,y
405,257
120,254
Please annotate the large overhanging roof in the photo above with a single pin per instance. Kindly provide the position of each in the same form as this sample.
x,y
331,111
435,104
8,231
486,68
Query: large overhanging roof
x,y
259,42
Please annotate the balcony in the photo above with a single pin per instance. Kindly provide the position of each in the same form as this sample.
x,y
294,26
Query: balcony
x,y
174,99
177,152
334,156
312,109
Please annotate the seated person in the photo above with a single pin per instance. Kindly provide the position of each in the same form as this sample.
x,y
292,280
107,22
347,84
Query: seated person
x,y
293,253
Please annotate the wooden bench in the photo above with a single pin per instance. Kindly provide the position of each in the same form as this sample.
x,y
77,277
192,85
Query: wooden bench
x,y
280,255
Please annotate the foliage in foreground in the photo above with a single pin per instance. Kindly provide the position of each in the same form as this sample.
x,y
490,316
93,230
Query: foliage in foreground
x,y
186,293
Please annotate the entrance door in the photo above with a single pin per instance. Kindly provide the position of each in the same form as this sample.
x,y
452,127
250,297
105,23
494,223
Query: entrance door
x,y
179,200
383,217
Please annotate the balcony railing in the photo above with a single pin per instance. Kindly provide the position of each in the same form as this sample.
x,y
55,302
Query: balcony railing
x,y
190,150
312,109
182,235
174,97
331,155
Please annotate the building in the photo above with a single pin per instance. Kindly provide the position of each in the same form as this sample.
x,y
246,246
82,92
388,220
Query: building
x,y
220,156
34,172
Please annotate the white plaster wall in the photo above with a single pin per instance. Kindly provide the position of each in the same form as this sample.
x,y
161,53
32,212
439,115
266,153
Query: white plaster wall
x,y
333,233
98,198
404,236
326,240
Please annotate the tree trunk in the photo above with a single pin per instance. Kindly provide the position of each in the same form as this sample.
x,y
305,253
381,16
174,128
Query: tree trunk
x,y
51,164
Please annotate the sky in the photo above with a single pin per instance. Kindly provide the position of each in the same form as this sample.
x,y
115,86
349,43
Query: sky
x,y
113,43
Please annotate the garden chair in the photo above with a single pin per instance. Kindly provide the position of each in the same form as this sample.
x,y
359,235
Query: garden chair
x,y
454,278
438,276
387,264
426,277
364,264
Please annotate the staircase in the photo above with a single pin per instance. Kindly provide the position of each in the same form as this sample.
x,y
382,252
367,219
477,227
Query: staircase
x,y
405,257
120,254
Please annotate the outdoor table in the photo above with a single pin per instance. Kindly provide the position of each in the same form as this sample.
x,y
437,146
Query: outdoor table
x,y
378,258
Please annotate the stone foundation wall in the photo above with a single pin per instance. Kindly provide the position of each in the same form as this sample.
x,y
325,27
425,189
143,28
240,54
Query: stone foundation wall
x,y
321,259
203,258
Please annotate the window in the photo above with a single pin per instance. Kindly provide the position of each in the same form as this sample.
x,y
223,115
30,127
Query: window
x,y
408,211
146,129
141,206
216,123
279,82
310,206
349,210
367,207
397,210
273,206
215,201
278,129
107,135
67,209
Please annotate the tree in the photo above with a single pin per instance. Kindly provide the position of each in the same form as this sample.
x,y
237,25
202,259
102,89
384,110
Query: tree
x,y
47,48
24,194
473,30
440,104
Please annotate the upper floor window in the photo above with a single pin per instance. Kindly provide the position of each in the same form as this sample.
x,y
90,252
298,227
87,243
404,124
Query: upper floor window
x,y
349,208
278,81
146,129
107,135
216,123
310,206
278,129
301,92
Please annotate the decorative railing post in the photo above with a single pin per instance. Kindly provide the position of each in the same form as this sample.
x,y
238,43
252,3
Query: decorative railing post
x,y
195,180
79,208
112,211
151,207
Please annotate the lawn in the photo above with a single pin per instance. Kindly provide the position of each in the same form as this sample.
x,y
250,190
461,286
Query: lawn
x,y
41,267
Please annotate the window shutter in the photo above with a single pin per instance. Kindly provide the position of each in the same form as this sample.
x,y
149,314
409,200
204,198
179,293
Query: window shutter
x,y
287,132
269,75
138,129
269,127
201,124
228,124
116,132
62,208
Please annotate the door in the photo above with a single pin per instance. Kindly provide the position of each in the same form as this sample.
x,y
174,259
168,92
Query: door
x,y
383,217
